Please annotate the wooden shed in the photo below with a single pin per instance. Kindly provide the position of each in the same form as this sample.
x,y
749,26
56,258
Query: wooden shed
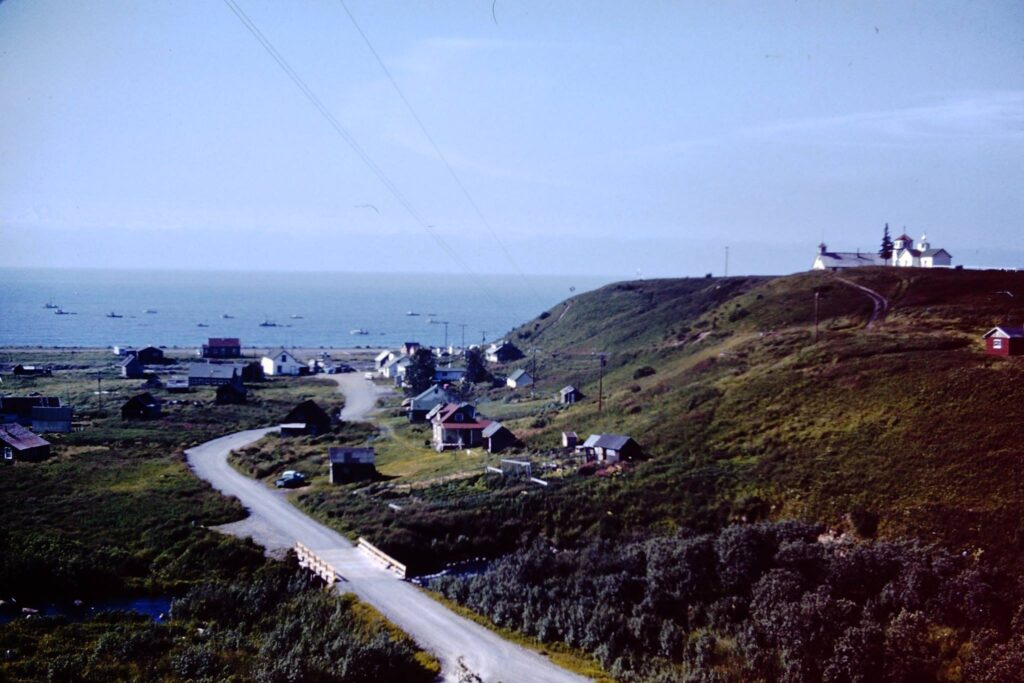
x,y
1005,341
141,407
351,464
19,443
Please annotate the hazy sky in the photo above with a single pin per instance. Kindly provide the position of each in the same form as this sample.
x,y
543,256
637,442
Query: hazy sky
x,y
595,137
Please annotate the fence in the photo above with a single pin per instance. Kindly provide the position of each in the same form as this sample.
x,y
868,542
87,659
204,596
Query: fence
x,y
379,555
310,560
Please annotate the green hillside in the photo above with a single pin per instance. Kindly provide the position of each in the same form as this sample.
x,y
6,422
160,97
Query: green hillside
x,y
907,419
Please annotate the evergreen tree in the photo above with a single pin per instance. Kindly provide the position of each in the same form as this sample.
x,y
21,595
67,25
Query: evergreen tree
x,y
420,373
476,367
886,251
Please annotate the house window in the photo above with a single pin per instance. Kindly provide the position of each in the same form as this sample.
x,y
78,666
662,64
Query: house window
x,y
997,343
8,453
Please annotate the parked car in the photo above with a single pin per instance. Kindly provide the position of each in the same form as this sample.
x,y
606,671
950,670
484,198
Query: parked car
x,y
290,479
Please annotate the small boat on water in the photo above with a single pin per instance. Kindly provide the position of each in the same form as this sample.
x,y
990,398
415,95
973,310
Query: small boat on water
x,y
411,313
150,311
201,325
295,317
227,316
61,311
50,304
268,323
114,315
359,330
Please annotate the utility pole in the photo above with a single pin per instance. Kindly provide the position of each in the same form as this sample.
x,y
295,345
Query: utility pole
x,y
463,326
727,262
534,364
445,323
99,389
483,337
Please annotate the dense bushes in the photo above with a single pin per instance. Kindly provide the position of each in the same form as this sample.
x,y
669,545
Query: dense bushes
x,y
762,602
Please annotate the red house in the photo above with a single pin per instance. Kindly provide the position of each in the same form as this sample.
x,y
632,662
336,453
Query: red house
x,y
1005,341
222,347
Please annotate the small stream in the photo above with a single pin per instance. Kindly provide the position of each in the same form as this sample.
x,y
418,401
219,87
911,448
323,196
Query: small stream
x,y
157,608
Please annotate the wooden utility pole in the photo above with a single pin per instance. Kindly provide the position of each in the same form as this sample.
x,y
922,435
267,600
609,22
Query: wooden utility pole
x,y
99,390
463,326
600,381
727,262
817,296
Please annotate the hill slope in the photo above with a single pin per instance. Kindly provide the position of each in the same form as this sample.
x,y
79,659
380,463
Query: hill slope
x,y
907,419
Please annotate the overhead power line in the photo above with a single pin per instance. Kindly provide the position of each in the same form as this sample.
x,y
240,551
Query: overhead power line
x,y
347,137
437,149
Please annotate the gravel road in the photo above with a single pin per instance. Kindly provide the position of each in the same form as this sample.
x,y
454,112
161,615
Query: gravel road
x,y
453,639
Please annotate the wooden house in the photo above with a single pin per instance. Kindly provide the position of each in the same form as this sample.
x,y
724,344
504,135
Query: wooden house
x,y
41,413
497,437
422,404
351,464
132,367
610,448
519,379
570,440
308,413
456,425
141,407
569,395
213,374
450,375
283,362
1005,341
19,443
503,351
222,347
410,348
150,355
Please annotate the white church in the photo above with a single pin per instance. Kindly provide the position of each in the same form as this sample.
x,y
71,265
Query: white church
x,y
904,253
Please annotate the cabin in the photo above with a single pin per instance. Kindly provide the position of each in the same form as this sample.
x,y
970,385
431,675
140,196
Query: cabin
x,y
1004,341
141,407
283,362
19,443
497,437
251,371
150,355
41,413
610,448
351,464
230,395
570,440
569,395
518,379
410,348
451,375
213,374
222,347
314,418
457,425
502,352
31,371
422,404
132,367
382,359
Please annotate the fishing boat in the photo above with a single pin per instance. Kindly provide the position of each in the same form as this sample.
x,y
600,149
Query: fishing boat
x,y
61,311
114,315
295,317
50,304
227,316
359,330
411,313
150,311
201,325
268,323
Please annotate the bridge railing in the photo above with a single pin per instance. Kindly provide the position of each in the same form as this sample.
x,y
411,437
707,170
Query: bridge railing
x,y
379,555
310,560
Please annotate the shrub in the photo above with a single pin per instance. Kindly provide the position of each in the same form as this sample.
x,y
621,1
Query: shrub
x,y
645,371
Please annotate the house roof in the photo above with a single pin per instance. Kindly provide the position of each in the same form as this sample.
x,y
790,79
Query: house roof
x,y
905,237
515,376
19,438
23,405
212,370
382,355
52,413
223,341
1005,332
849,259
284,351
572,434
567,390
130,360
935,252
591,441
147,400
435,395
493,428
450,409
361,456
614,442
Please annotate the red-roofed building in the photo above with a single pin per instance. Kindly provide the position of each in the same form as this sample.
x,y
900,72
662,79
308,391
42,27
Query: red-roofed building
x,y
222,347
457,425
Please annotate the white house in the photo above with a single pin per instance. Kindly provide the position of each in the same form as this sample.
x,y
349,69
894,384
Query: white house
x,y
382,359
395,367
283,362
519,378
904,253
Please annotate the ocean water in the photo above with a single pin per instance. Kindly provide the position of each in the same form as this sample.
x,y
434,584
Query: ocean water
x,y
310,309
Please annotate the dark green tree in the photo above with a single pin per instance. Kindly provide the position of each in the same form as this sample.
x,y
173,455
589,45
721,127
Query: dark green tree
x,y
476,366
886,251
419,376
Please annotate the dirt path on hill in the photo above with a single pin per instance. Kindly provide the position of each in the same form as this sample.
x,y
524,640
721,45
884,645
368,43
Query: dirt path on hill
x,y
880,303
360,393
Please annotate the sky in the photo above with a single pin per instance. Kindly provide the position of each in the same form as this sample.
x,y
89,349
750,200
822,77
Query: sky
x,y
604,138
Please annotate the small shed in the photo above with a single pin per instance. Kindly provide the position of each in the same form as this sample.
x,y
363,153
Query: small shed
x,y
497,437
570,440
150,355
519,378
132,367
569,395
1004,341
141,407
230,394
612,448
351,464
19,443
293,429
315,419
